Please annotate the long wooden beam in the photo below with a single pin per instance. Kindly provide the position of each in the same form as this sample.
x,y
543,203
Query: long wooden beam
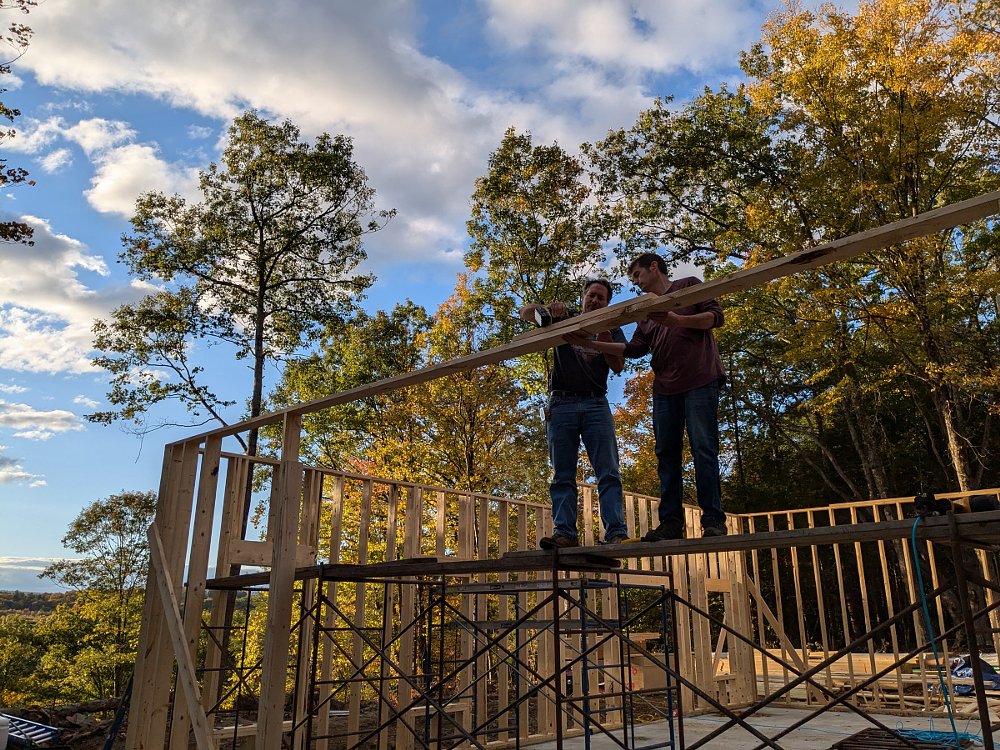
x,y
977,529
633,310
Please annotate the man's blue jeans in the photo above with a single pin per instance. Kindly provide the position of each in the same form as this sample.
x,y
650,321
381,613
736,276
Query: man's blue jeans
x,y
587,418
698,411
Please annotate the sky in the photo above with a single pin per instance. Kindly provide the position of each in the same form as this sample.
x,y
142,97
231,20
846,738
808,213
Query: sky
x,y
119,97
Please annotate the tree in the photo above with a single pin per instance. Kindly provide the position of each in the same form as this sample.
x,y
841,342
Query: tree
x,y
478,429
634,427
16,38
366,349
895,105
110,578
19,656
532,233
264,260
845,123
471,431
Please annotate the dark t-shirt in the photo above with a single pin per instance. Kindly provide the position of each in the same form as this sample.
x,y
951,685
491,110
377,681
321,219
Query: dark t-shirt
x,y
579,370
683,358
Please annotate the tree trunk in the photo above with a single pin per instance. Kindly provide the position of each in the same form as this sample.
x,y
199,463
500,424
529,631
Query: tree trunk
x,y
862,428
950,424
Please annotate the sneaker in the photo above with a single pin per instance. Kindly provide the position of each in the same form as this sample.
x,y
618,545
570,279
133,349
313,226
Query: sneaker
x,y
616,539
558,541
718,528
666,530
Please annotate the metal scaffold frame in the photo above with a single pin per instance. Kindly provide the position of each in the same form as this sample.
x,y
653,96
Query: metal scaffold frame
x,y
446,694
445,703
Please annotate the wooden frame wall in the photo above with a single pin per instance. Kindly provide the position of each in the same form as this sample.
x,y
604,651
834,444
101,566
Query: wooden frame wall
x,y
847,588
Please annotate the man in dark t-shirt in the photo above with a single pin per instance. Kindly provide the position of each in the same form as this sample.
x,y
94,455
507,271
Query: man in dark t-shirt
x,y
687,374
578,410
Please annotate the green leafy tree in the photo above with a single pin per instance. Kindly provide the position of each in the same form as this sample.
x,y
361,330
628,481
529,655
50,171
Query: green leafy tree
x,y
263,261
479,430
533,236
16,40
110,578
901,124
367,348
19,657
472,431
634,428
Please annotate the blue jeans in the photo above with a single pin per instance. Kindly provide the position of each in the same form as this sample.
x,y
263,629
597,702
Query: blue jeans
x,y
698,410
572,418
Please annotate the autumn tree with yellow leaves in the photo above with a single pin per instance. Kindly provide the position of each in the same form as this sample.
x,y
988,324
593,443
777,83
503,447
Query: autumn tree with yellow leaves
x,y
872,372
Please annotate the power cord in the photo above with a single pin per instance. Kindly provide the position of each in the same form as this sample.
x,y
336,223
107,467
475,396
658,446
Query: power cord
x,y
949,739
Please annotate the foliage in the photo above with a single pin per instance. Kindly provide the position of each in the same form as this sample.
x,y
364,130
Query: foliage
x,y
468,430
28,603
530,228
19,655
83,648
111,535
478,428
533,237
634,428
98,633
845,123
16,39
263,261
366,348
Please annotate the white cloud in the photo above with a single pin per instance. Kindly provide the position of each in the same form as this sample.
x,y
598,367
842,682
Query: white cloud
x,y
566,70
124,169
98,135
37,342
35,424
422,130
37,564
94,135
198,132
47,274
12,82
47,305
646,35
12,389
34,434
84,401
33,136
56,160
11,470
21,574
126,172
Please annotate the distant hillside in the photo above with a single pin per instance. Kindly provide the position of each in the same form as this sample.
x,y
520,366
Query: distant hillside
x,y
25,602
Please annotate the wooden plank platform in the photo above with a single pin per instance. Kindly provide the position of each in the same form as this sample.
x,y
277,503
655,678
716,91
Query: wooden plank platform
x,y
977,529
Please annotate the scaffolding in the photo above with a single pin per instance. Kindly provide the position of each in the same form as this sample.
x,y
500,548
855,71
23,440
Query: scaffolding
x,y
531,645
474,679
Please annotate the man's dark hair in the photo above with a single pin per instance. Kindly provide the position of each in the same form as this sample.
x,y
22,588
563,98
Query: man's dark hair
x,y
647,260
591,280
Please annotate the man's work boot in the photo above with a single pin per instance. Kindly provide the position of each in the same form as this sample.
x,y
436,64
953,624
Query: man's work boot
x,y
666,530
558,541
715,528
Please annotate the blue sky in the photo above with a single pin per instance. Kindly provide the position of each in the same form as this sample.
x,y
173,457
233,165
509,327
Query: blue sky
x,y
119,97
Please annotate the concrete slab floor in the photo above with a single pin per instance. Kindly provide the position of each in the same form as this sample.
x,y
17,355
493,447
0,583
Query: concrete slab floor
x,y
819,734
